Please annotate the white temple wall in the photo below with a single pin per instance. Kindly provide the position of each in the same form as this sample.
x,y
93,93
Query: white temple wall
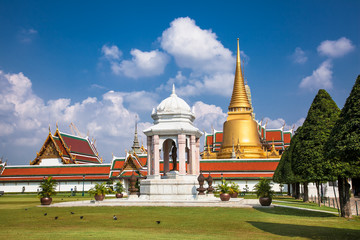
x,y
33,187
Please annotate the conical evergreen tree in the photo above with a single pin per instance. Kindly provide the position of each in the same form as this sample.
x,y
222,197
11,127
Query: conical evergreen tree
x,y
309,163
284,172
343,147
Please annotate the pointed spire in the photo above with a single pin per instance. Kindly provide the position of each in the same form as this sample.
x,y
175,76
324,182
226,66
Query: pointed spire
x,y
173,90
136,147
239,97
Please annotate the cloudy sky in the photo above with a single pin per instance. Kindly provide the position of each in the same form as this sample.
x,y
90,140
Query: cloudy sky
x,y
102,65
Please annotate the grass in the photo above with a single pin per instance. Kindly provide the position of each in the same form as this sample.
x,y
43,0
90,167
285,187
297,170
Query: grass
x,y
175,222
299,203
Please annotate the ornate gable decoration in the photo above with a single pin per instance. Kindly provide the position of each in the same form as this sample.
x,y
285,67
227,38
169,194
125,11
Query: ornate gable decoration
x,y
48,150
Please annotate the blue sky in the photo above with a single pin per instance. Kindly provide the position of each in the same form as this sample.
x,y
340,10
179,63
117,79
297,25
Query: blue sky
x,y
103,64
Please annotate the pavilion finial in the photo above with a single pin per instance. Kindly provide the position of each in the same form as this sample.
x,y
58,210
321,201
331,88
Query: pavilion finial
x,y
173,89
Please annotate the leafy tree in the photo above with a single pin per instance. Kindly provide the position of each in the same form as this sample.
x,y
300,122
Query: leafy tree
x,y
343,147
308,161
284,172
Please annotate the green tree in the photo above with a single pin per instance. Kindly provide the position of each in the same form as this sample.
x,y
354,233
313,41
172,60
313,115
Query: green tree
x,y
284,172
343,147
309,163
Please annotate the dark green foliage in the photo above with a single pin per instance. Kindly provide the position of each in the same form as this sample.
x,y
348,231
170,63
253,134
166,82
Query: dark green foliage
x,y
119,187
284,172
308,161
343,147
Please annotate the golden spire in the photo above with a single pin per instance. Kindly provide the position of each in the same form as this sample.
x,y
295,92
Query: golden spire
x,y
239,100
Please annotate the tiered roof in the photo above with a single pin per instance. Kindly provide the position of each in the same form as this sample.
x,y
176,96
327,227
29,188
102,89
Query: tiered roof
x,y
70,149
132,163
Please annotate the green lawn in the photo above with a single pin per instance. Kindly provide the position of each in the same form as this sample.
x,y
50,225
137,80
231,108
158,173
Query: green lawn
x,y
175,222
299,203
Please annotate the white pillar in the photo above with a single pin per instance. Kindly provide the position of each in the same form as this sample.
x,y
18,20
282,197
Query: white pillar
x,y
149,156
197,157
181,155
156,160
192,156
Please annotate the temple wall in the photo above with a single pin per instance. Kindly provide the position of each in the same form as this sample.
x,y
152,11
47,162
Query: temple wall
x,y
17,187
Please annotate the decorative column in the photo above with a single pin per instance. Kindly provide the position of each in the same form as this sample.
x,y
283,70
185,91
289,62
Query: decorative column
x,y
197,155
149,156
192,157
156,158
181,154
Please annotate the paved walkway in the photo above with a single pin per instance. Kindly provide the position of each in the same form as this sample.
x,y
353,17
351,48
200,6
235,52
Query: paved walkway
x,y
234,203
124,202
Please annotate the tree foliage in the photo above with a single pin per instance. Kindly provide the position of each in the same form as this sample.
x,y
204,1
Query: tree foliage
x,y
284,172
343,146
309,163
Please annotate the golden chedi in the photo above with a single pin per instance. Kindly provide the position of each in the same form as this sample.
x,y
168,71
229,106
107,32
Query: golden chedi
x,y
240,131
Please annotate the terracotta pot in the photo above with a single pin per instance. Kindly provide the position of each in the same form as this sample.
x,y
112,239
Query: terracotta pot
x,y
46,200
234,195
225,197
265,201
119,195
99,197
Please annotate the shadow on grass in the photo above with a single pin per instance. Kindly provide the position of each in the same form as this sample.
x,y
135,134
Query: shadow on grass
x,y
311,232
294,212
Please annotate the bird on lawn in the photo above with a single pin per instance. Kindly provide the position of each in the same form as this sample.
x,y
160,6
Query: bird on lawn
x,y
114,217
25,209
56,217
45,214
81,217
158,222
72,212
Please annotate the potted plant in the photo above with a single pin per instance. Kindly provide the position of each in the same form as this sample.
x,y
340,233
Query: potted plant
x,y
264,192
223,189
48,187
119,188
99,191
234,190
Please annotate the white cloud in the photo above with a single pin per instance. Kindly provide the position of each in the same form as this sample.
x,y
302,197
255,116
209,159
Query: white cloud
x,y
25,118
199,50
195,48
142,64
279,123
320,78
299,56
208,116
141,101
111,52
337,48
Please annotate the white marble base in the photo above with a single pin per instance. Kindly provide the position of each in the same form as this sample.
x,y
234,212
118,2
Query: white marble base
x,y
133,197
173,186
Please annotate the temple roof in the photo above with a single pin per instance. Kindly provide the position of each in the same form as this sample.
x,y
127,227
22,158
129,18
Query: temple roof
x,y
173,116
69,148
173,104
